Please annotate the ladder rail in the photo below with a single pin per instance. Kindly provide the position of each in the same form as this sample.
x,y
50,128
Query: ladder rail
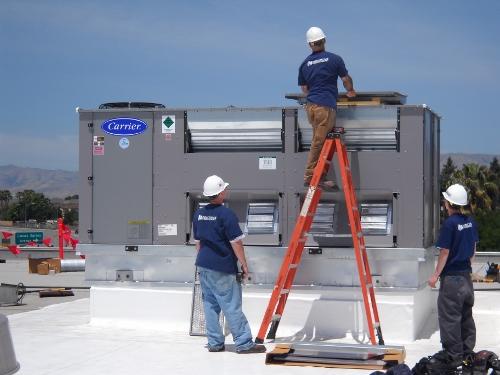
x,y
355,232
357,219
295,249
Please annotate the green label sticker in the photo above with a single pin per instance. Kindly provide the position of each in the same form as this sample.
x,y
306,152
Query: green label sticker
x,y
168,124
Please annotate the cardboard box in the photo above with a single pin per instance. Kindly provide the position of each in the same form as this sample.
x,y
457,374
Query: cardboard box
x,y
42,268
52,264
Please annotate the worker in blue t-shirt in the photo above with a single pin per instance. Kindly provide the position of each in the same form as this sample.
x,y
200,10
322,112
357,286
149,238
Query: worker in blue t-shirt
x,y
219,244
318,76
457,246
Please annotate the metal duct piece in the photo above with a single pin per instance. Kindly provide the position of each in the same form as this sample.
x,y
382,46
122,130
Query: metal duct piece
x,y
235,136
8,362
8,294
72,265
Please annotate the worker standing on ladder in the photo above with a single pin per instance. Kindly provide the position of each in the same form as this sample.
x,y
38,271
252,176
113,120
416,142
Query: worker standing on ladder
x,y
218,242
318,76
457,245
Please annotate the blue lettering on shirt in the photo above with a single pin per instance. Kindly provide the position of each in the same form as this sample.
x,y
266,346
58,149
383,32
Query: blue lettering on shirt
x,y
215,226
320,72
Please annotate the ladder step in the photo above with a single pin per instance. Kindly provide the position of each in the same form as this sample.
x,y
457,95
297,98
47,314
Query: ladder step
x,y
285,291
359,234
292,266
369,285
276,317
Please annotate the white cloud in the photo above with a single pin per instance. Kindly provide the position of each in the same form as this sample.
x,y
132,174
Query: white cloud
x,y
55,152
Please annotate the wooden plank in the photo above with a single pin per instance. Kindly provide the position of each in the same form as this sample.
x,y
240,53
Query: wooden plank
x,y
390,356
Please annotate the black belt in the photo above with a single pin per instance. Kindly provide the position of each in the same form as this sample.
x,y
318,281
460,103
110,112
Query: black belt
x,y
457,273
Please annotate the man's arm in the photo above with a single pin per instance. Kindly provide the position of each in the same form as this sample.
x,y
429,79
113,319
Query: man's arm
x,y
349,86
443,257
240,254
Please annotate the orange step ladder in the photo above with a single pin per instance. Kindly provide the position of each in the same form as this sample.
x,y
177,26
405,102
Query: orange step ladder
x,y
333,144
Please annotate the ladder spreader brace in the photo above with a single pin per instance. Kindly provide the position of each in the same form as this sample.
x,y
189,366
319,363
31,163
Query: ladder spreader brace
x,y
333,144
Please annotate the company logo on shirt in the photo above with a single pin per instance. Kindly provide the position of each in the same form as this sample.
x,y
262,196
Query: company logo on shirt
x,y
206,218
461,227
318,61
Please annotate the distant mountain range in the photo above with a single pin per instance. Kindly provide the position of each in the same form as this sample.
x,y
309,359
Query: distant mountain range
x,y
60,184
52,183
461,159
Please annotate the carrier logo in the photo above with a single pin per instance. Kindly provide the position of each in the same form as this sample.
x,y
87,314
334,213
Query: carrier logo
x,y
461,227
318,61
206,218
124,126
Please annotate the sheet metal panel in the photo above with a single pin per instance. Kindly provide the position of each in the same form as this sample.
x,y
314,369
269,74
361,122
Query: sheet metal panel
x,y
122,179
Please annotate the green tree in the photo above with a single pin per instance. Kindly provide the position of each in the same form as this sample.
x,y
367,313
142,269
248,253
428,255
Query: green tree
x,y
5,198
447,173
71,217
31,205
489,235
494,172
482,191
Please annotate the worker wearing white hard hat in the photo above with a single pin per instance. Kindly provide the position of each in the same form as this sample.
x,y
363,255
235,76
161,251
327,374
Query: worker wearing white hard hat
x,y
219,244
457,245
318,76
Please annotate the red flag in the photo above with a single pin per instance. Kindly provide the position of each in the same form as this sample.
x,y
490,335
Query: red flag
x,y
14,249
74,242
6,235
47,241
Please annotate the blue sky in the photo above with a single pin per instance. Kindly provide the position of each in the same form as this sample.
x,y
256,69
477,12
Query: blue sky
x,y
56,55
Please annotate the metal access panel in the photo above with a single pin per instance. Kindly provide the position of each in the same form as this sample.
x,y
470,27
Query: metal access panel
x,y
120,176
258,215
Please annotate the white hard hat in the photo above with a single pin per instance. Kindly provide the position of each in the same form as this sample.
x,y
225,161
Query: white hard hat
x,y
214,185
456,194
314,34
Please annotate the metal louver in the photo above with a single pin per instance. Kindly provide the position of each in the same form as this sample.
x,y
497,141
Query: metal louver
x,y
376,218
261,218
235,136
322,225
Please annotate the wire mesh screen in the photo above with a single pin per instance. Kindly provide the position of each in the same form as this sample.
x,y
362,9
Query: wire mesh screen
x,y
198,326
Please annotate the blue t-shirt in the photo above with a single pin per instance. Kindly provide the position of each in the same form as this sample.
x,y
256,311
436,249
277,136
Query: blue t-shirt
x,y
215,226
459,235
320,72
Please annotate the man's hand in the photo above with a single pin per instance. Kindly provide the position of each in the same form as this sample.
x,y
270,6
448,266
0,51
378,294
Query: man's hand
x,y
244,271
432,281
351,94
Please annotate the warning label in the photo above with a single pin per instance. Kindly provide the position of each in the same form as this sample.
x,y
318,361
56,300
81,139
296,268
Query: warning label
x,y
168,124
167,230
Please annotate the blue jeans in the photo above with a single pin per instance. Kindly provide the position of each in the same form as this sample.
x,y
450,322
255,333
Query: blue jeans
x,y
221,291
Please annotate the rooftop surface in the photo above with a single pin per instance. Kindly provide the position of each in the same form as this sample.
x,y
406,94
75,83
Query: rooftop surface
x,y
59,339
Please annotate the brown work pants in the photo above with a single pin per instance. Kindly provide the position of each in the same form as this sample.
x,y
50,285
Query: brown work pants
x,y
322,120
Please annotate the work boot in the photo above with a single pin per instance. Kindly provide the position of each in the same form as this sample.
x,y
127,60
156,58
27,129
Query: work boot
x,y
214,349
324,184
254,349
442,363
